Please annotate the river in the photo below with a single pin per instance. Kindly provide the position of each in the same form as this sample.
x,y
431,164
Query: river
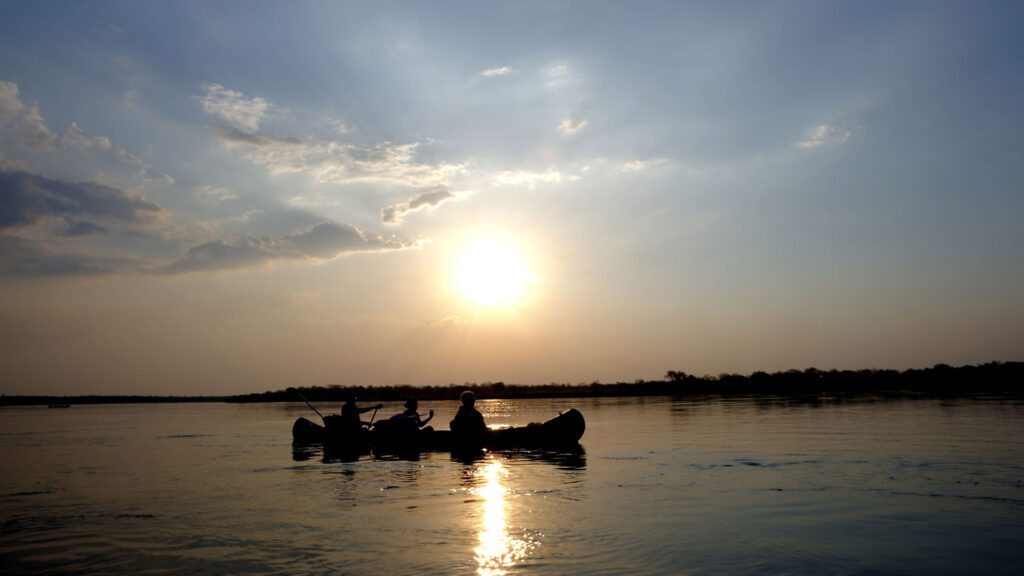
x,y
661,486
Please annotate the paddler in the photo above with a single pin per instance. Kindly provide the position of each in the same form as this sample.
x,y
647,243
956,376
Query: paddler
x,y
468,420
411,415
350,412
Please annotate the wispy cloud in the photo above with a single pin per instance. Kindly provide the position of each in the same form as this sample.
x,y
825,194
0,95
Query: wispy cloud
x,y
214,194
75,139
572,125
642,165
558,70
325,240
339,162
21,124
490,72
824,134
526,178
394,213
449,321
233,106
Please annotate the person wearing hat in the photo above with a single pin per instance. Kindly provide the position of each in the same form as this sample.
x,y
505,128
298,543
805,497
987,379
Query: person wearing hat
x,y
412,415
350,412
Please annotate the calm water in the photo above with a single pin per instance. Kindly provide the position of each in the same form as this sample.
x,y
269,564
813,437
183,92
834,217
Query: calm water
x,y
664,487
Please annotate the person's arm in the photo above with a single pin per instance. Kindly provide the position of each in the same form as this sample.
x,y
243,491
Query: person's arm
x,y
430,415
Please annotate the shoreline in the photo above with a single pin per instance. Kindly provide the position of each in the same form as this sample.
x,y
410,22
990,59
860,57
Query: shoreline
x,y
999,378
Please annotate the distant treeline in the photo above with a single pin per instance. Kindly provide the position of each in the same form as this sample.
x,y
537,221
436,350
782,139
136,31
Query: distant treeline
x,y
941,380
6,400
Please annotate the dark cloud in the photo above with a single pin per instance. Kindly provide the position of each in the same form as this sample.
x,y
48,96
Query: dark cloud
x,y
327,240
393,214
219,255
324,240
10,164
27,198
82,228
21,257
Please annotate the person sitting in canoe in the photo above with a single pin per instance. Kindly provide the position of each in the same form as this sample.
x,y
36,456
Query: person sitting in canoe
x,y
410,414
468,420
350,413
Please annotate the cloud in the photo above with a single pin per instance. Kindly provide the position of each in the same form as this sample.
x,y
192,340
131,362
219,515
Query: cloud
x,y
214,194
325,240
491,72
126,156
9,164
82,228
327,161
75,139
449,321
393,214
525,178
642,165
26,199
22,123
558,70
234,107
572,125
339,162
824,134
21,257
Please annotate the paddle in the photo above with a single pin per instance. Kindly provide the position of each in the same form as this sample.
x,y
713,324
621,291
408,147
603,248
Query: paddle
x,y
308,404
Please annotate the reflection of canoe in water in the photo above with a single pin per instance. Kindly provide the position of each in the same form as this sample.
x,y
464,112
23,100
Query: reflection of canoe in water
x,y
564,430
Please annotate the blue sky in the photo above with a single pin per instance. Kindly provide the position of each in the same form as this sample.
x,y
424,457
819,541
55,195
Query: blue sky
x,y
221,197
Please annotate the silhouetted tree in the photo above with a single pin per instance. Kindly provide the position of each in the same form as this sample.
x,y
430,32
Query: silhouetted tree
x,y
675,375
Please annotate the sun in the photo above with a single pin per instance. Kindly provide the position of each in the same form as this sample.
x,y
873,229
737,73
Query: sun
x,y
492,272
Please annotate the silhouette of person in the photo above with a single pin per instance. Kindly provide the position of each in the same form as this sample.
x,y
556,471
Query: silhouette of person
x,y
350,413
410,414
468,420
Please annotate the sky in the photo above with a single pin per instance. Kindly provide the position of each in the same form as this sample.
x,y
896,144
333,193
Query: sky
x,y
228,197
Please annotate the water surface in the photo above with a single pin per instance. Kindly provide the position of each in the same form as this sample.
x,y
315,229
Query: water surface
x,y
712,486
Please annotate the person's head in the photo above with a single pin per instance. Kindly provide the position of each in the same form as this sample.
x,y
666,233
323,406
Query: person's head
x,y
411,403
467,398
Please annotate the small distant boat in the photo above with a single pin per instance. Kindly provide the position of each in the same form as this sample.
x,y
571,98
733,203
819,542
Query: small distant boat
x,y
60,405
564,430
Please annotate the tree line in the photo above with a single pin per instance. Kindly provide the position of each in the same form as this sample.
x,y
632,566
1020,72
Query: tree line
x,y
942,379
1003,378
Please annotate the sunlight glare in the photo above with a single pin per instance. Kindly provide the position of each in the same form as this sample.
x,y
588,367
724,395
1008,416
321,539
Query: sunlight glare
x,y
492,272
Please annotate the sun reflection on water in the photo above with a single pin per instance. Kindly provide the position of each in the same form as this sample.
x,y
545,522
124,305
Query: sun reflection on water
x,y
497,550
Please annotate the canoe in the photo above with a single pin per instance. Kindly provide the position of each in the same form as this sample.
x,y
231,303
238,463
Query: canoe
x,y
305,431
564,430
